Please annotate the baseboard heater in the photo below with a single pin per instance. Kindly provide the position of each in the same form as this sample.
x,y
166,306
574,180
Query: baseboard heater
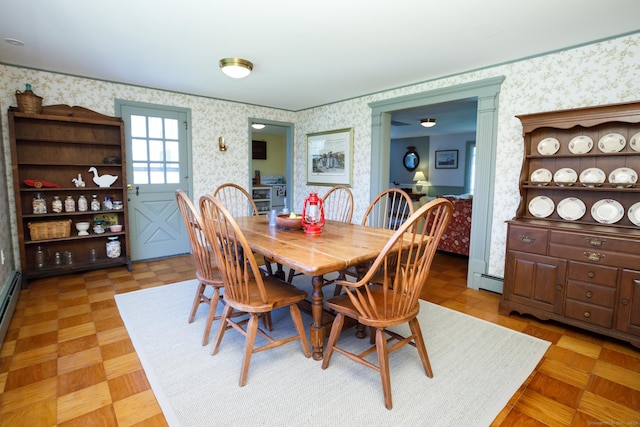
x,y
8,301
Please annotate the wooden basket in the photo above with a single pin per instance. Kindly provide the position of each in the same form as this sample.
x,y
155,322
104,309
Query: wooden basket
x,y
29,102
49,229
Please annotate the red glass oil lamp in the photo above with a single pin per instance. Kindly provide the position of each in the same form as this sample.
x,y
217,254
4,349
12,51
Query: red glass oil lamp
x,y
313,214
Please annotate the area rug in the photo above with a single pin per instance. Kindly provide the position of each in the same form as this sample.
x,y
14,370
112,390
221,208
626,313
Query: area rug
x,y
477,367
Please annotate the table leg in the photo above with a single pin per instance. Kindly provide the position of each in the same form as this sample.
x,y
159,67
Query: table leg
x,y
317,332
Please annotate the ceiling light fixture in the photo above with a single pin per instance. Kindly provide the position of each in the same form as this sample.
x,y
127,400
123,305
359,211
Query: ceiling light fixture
x,y
428,123
258,125
236,68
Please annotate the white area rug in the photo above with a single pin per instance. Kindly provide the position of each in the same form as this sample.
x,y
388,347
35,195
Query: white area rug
x,y
477,367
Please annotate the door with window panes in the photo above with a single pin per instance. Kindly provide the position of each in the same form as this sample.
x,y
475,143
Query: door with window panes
x,y
157,165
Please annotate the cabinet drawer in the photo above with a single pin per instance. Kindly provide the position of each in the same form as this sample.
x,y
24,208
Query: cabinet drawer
x,y
531,240
599,274
594,255
589,313
594,242
592,294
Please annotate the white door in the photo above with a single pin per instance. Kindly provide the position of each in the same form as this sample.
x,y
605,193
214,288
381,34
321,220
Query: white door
x,y
157,165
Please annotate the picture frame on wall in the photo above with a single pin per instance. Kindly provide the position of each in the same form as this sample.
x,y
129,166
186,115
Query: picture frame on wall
x,y
259,150
330,157
446,159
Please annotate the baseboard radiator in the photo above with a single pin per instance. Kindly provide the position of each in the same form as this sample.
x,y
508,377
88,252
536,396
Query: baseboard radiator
x,y
8,301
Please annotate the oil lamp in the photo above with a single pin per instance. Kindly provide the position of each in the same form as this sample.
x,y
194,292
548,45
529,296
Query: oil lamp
x,y
313,214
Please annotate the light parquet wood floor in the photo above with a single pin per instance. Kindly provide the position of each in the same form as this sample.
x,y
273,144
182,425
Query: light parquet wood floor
x,y
67,359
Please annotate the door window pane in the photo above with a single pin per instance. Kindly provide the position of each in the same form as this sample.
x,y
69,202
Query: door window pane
x,y
172,152
156,150
138,126
170,129
155,127
139,150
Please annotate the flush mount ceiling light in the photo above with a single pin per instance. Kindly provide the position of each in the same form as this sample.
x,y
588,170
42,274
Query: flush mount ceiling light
x,y
428,123
236,68
258,125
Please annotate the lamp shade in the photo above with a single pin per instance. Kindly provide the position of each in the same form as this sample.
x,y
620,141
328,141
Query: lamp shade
x,y
236,68
419,176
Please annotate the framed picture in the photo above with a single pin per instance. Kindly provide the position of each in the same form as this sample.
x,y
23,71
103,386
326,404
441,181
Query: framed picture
x,y
330,157
447,159
259,150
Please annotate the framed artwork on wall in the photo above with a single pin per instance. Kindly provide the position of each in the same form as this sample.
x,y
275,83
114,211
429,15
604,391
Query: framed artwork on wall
x,y
259,150
446,159
330,157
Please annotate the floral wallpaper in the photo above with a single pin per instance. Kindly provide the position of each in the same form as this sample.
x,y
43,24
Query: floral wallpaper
x,y
595,74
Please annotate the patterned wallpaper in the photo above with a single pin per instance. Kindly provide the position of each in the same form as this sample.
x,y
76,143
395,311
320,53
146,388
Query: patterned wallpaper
x,y
595,74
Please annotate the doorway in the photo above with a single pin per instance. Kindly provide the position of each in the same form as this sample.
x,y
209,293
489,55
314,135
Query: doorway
x,y
279,133
487,93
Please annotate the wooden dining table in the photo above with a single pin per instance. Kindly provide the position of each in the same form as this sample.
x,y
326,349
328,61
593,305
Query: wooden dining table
x,y
340,245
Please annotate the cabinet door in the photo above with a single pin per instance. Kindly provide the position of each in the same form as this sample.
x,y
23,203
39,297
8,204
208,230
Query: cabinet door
x,y
535,280
629,304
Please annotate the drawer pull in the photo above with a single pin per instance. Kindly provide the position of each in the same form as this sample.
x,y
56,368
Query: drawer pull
x,y
589,294
587,314
527,239
558,287
594,241
593,256
591,274
625,301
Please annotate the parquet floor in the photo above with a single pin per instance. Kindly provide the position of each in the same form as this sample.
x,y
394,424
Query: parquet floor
x,y
67,359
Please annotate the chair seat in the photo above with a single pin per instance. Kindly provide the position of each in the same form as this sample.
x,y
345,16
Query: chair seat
x,y
279,294
343,304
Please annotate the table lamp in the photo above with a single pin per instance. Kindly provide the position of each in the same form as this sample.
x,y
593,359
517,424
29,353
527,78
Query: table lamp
x,y
420,180
313,214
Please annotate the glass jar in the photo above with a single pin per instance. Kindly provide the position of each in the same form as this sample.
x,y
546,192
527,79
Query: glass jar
x,y
107,205
95,203
113,248
57,258
39,204
82,204
40,257
56,205
69,204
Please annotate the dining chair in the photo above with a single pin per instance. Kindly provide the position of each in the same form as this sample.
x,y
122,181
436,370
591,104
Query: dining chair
x,y
338,206
388,210
239,202
246,290
207,272
388,294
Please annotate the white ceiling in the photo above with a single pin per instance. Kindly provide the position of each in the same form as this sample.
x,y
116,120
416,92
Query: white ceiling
x,y
305,54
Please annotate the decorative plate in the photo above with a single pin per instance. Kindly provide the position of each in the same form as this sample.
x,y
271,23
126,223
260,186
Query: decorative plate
x,y
565,176
607,211
634,142
548,146
541,206
634,214
541,176
571,208
612,143
580,144
623,177
592,177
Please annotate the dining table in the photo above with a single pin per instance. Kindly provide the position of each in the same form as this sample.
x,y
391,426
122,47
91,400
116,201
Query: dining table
x,y
339,246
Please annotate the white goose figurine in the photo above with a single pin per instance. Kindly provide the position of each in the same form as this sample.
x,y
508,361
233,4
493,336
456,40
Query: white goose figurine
x,y
103,181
